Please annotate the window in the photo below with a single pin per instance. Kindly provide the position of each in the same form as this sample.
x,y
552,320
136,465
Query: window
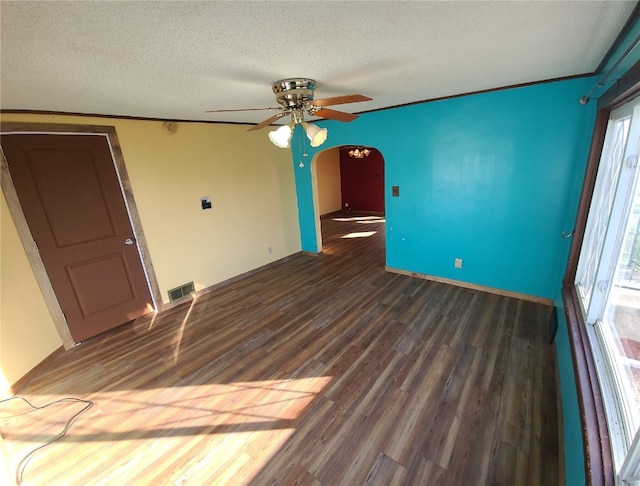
x,y
608,285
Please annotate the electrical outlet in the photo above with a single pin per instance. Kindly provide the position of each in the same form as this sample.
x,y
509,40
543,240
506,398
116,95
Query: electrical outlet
x,y
457,263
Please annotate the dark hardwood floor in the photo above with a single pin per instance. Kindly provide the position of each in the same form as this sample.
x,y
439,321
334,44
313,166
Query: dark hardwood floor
x,y
317,370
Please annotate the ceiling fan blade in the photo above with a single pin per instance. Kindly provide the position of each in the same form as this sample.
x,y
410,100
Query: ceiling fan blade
x,y
335,115
340,100
268,121
243,109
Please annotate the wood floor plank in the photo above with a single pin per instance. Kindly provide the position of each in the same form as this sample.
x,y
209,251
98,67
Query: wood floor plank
x,y
415,415
385,471
318,371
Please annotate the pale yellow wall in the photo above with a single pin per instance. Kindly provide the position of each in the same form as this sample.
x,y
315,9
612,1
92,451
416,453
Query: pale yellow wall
x,y
27,333
249,180
328,181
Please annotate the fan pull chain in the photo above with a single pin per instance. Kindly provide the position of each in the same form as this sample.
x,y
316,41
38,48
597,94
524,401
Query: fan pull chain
x,y
304,152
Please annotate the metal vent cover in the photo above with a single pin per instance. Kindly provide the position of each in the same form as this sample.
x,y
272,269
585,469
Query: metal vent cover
x,y
181,291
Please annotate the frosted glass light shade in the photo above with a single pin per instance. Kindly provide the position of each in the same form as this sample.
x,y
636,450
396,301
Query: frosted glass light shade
x,y
281,137
316,135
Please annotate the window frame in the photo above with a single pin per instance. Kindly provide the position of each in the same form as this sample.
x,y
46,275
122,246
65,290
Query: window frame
x,y
599,468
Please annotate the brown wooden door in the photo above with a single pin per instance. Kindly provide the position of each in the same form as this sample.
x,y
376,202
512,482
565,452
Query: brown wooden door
x,y
73,203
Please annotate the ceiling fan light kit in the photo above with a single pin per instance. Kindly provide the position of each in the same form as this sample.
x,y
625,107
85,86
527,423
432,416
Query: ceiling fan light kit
x,y
295,95
316,135
281,137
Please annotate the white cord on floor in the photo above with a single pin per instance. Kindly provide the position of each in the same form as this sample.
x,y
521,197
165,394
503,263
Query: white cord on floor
x,y
25,460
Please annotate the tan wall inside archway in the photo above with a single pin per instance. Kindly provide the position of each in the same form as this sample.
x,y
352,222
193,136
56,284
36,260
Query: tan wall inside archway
x,y
327,166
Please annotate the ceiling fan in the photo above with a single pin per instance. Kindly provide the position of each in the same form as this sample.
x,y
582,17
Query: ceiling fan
x,y
295,95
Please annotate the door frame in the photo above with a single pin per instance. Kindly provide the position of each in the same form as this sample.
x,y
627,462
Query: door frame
x,y
31,250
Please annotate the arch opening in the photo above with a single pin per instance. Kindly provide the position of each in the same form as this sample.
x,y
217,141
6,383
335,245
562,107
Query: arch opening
x,y
349,199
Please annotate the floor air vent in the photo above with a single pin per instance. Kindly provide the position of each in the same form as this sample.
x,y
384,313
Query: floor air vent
x,y
182,291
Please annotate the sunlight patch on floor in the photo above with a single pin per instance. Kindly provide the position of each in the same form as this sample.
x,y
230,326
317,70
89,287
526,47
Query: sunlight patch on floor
x,y
178,338
142,324
359,234
216,428
372,221
362,219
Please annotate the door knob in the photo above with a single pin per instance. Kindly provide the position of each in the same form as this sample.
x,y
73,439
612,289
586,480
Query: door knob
x,y
128,241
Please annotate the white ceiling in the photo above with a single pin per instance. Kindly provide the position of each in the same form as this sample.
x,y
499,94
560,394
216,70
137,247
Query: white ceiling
x,y
176,59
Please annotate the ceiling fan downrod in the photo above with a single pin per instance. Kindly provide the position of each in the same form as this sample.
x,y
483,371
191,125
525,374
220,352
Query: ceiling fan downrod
x,y
297,116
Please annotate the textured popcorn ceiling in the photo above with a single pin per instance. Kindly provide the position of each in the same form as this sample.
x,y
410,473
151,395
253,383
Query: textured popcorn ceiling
x,y
176,59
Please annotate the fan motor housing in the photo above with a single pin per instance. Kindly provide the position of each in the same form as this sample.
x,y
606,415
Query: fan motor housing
x,y
294,92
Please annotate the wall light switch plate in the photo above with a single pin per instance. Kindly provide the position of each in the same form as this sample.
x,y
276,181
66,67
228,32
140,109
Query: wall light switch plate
x,y
457,263
395,191
205,202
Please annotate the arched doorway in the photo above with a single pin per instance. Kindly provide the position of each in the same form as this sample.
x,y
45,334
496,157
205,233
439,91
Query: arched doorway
x,y
348,194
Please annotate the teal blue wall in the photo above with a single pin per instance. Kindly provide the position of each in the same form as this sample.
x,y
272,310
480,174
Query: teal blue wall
x,y
492,178
482,177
